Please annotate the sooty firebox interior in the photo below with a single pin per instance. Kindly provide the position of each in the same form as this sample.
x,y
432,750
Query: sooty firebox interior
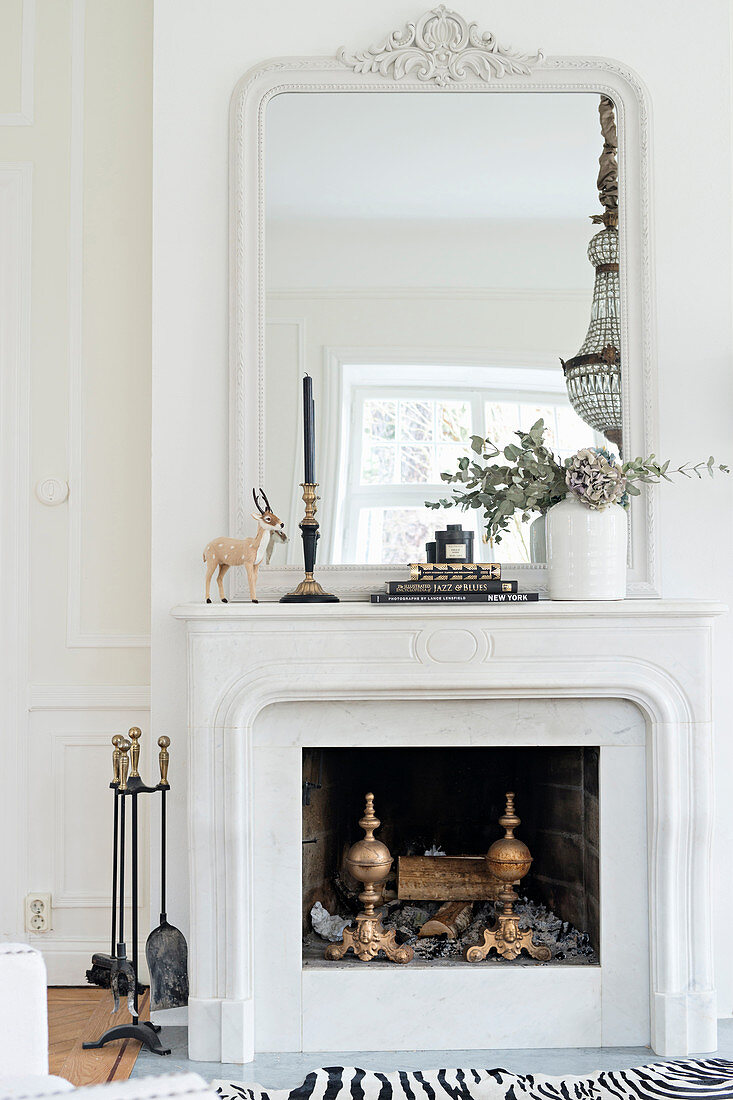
x,y
450,800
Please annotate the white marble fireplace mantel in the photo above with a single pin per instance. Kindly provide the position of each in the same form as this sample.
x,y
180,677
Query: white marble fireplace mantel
x,y
244,658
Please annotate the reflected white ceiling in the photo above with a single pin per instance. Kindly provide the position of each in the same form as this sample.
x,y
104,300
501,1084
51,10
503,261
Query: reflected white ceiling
x,y
432,155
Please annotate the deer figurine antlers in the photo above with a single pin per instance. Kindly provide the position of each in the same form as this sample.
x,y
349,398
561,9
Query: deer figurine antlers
x,y
226,551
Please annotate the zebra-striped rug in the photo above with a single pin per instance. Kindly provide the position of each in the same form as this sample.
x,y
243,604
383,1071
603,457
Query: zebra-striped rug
x,y
708,1080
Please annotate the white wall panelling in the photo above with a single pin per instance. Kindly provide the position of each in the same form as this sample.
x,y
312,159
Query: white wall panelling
x,y
81,76
15,306
70,819
76,636
88,697
82,855
26,47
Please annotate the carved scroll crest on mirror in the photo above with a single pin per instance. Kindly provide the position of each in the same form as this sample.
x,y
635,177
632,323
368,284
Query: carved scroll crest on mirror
x,y
442,47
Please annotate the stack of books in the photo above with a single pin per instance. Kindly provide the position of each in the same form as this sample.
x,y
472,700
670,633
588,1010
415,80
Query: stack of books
x,y
459,583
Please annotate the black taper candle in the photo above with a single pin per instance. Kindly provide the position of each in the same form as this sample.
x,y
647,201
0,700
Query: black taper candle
x,y
308,430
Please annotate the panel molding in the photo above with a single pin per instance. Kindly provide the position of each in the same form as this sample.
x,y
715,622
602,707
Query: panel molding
x,y
62,897
16,193
25,116
68,957
88,697
76,636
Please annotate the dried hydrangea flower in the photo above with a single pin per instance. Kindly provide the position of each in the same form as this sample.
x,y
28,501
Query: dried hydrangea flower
x,y
595,478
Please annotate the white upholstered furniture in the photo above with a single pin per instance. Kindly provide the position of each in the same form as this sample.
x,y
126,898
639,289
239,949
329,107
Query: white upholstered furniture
x,y
24,1024
24,1042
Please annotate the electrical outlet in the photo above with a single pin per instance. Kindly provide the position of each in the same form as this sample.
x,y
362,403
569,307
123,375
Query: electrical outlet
x,y
38,913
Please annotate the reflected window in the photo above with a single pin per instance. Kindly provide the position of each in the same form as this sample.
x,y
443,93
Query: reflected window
x,y
398,436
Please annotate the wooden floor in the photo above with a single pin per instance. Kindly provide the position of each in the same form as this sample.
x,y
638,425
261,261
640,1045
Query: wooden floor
x,y
76,1016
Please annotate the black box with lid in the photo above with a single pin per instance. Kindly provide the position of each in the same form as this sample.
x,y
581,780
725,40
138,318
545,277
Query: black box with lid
x,y
453,546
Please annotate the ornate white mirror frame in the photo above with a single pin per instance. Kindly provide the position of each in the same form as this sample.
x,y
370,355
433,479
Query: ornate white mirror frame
x,y
422,58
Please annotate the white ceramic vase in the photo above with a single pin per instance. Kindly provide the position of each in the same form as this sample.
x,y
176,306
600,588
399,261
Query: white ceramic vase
x,y
586,551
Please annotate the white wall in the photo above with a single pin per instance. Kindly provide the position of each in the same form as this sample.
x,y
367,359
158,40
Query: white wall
x,y
540,254
75,197
683,56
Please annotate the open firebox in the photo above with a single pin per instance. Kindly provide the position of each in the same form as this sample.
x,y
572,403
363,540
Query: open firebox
x,y
440,810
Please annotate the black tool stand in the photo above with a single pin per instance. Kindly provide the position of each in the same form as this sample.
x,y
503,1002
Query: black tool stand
x,y
144,1032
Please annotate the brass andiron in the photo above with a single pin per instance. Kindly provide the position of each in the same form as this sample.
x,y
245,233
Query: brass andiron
x,y
369,861
509,859
309,590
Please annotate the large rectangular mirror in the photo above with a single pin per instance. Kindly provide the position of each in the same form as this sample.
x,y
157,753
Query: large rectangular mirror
x,y
426,262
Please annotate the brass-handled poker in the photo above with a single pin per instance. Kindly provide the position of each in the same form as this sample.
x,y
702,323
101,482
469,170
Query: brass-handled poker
x,y
124,769
116,759
163,761
135,734
116,776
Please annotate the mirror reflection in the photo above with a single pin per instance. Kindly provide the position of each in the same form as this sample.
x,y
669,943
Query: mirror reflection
x,y
426,263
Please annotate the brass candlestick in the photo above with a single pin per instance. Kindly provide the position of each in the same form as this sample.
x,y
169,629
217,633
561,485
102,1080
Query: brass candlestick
x,y
369,861
309,590
509,859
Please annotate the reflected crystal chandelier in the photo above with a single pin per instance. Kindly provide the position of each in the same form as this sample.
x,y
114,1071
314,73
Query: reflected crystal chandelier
x,y
593,376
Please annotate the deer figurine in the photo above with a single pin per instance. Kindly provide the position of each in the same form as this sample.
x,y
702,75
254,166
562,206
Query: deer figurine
x,y
226,552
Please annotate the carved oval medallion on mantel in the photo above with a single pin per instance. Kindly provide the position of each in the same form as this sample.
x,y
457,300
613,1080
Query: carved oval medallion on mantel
x,y
453,645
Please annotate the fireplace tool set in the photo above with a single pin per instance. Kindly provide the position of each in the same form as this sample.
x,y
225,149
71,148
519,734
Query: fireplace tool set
x,y
507,862
166,951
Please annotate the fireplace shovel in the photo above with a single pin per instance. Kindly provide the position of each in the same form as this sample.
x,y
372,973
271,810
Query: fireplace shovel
x,y
166,949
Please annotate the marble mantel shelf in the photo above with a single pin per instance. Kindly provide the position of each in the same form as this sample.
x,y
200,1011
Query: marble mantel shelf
x,y
360,609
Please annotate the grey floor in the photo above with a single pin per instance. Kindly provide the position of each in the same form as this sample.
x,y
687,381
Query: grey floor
x,y
285,1071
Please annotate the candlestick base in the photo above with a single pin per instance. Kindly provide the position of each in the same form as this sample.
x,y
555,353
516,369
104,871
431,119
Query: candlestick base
x,y
309,591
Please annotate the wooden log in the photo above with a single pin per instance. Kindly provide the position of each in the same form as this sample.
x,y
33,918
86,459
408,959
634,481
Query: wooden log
x,y
451,920
445,878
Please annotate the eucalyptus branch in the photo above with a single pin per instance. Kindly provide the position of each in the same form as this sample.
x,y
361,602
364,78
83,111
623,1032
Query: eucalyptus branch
x,y
650,472
532,478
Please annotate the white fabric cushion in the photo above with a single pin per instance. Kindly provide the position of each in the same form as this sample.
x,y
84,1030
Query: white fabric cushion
x,y
23,1012
19,1088
188,1086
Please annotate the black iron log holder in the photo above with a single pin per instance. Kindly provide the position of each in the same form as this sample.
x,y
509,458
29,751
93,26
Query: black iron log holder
x,y
128,787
